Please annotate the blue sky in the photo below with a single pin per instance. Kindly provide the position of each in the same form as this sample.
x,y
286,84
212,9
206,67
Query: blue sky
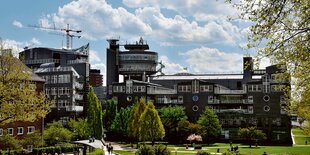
x,y
194,34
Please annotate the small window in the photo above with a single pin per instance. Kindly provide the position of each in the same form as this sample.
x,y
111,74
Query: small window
x,y
30,129
29,148
20,130
195,98
250,99
10,131
180,99
195,108
266,108
266,98
1,132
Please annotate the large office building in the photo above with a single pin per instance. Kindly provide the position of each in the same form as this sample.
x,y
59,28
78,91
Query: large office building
x,y
251,98
66,72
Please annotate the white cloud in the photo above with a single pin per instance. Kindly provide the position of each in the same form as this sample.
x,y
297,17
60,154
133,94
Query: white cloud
x,y
93,56
35,41
170,67
179,30
17,24
201,10
14,45
102,68
208,60
98,20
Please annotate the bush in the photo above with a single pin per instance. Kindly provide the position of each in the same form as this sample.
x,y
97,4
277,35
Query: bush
x,y
145,150
153,150
54,149
161,150
97,152
202,153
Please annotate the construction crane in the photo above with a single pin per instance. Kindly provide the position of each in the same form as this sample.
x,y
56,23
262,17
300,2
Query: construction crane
x,y
67,31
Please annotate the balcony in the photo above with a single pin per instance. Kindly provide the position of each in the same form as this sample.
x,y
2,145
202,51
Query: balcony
x,y
243,101
54,69
40,61
78,97
228,91
76,61
158,91
244,111
78,86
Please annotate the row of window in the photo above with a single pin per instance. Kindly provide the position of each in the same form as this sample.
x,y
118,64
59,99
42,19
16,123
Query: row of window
x,y
61,91
121,89
20,130
188,88
64,78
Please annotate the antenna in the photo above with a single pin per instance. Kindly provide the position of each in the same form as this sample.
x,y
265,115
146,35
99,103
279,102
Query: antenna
x,y
67,30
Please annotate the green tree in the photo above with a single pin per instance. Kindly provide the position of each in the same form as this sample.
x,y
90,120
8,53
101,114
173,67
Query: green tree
x,y
94,114
110,112
18,99
280,30
251,134
8,141
209,120
121,121
186,128
55,133
34,139
151,127
137,110
170,117
79,128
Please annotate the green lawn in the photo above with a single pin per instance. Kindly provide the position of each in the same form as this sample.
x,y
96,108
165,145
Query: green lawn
x,y
244,149
300,137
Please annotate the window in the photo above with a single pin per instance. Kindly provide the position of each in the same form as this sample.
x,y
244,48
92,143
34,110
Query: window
x,y
195,108
250,109
30,129
254,88
20,130
184,88
54,79
180,99
206,88
266,98
210,99
266,108
195,86
119,89
53,91
29,148
250,99
1,132
10,131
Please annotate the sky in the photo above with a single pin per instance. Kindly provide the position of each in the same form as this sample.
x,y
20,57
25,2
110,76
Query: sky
x,y
203,36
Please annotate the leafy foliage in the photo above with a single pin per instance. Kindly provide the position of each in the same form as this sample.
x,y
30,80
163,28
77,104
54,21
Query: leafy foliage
x,y
8,141
18,99
251,134
94,114
121,121
186,128
170,117
110,112
153,150
151,127
34,139
137,110
79,128
281,32
55,133
210,122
